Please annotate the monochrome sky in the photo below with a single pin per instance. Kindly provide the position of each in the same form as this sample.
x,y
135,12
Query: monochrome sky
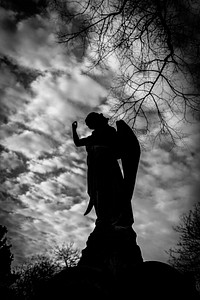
x,y
43,89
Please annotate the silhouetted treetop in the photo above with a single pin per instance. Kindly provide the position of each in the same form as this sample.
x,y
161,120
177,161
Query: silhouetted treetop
x,y
186,255
6,256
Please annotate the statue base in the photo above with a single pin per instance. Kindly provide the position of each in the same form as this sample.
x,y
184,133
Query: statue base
x,y
111,267
112,249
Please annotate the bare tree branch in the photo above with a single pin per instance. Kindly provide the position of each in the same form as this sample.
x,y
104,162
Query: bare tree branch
x,y
149,40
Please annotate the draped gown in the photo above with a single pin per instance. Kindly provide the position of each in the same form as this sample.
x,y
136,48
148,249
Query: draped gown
x,y
105,179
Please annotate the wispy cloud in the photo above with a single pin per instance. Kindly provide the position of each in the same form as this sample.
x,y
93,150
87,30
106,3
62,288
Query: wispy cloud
x,y
44,193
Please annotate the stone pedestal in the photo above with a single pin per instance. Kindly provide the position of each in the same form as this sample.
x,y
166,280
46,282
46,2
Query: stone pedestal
x,y
111,249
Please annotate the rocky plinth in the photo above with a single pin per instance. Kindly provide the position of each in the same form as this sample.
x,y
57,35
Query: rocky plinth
x,y
111,249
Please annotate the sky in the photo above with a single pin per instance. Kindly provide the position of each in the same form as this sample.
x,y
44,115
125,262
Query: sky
x,y
43,89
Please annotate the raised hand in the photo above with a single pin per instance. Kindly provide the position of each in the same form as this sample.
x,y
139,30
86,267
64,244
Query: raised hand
x,y
74,125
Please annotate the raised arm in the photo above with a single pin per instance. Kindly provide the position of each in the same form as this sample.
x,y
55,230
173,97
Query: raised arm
x,y
77,141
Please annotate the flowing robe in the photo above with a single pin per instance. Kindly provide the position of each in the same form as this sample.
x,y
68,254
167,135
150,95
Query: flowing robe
x,y
105,179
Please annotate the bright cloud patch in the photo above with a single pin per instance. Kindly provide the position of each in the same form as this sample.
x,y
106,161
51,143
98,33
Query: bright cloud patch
x,y
30,144
42,91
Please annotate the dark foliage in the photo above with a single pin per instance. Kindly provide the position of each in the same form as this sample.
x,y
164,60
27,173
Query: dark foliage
x,y
148,280
186,255
41,268
6,256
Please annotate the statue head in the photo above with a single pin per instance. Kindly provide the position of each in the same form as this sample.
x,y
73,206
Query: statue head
x,y
95,120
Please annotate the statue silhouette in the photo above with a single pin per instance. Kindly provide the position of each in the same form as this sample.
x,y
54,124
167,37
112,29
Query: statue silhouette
x,y
104,175
111,266
109,190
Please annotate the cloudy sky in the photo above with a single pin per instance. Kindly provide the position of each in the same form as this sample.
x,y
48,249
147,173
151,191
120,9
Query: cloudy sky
x,y
43,89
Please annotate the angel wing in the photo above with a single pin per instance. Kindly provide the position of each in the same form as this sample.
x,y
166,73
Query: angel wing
x,y
130,155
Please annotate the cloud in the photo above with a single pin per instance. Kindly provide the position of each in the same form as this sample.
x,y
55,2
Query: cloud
x,y
13,96
10,161
43,89
60,89
50,225
30,144
63,98
29,40
51,208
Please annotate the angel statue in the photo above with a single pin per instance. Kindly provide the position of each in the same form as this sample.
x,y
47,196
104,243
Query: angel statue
x,y
109,186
